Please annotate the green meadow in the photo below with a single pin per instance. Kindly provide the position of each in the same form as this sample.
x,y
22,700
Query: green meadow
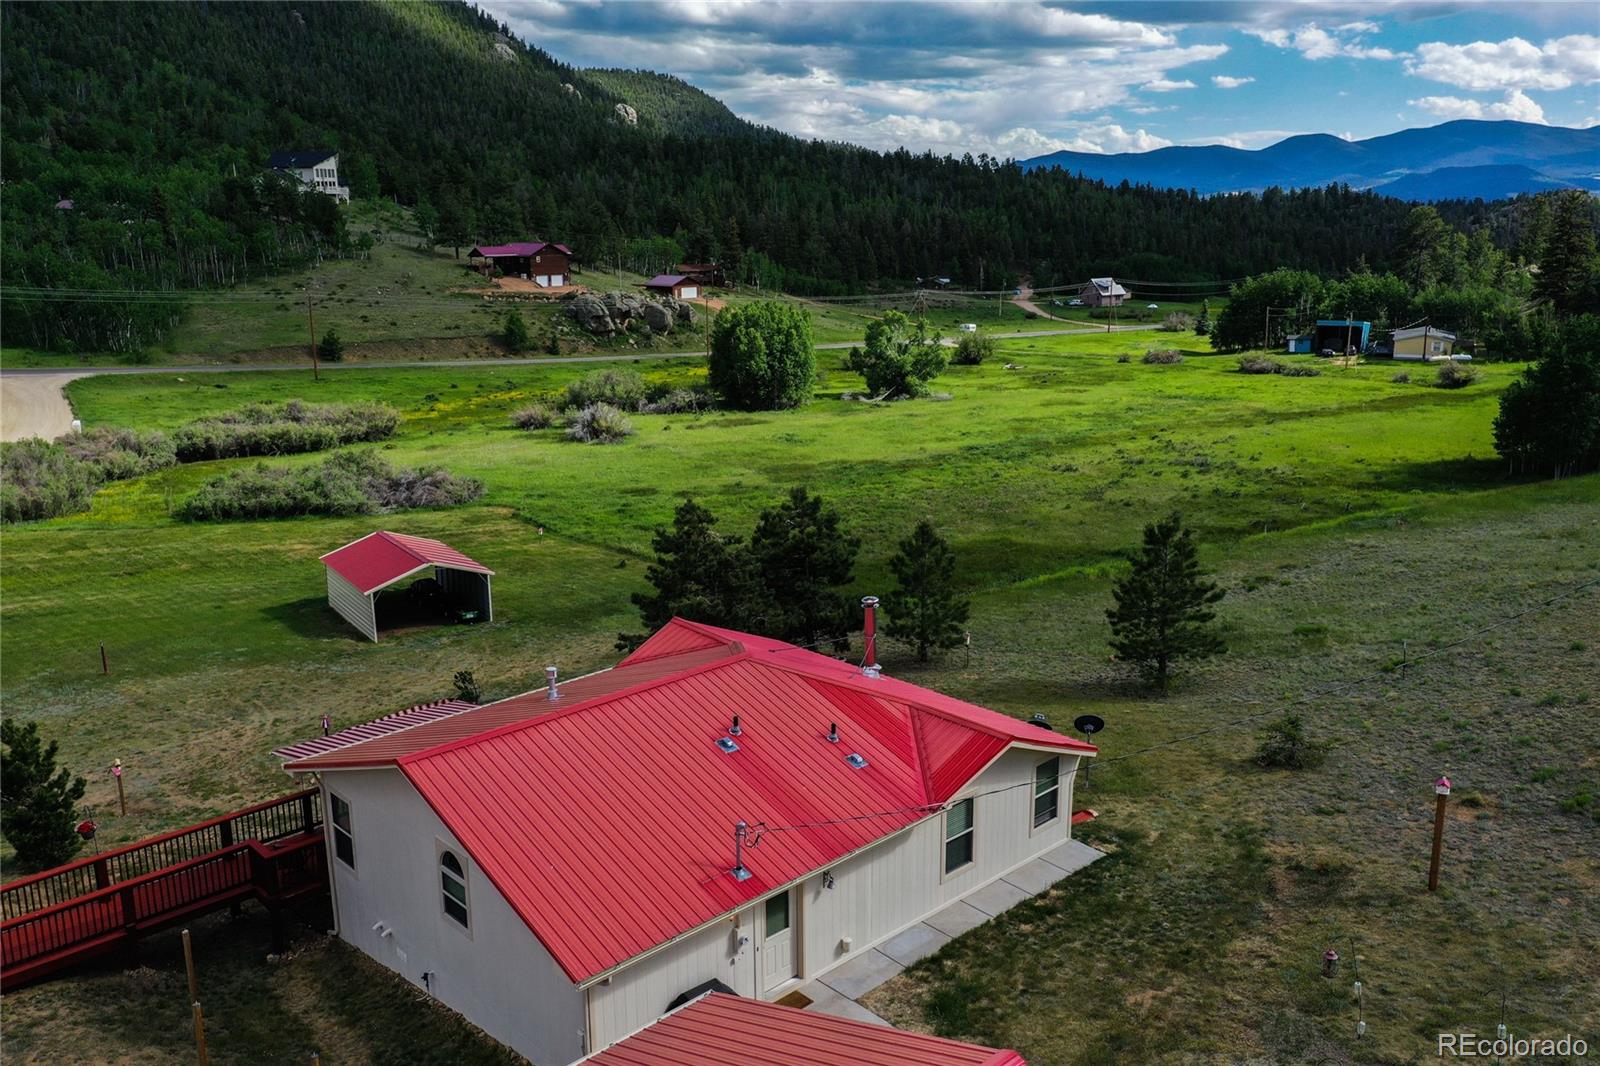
x,y
1352,519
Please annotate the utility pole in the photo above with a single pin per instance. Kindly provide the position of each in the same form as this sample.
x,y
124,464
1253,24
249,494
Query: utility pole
x,y
1266,330
311,324
1349,334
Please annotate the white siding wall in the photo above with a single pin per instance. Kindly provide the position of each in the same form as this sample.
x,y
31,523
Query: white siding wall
x,y
500,976
877,893
355,608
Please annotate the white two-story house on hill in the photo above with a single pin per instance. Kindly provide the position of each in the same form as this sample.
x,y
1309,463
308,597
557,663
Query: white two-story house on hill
x,y
559,867
317,170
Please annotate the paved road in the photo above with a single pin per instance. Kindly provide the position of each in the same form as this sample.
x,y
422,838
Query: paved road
x,y
32,404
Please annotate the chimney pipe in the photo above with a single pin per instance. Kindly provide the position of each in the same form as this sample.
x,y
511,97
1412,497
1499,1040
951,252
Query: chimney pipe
x,y
550,681
869,664
735,729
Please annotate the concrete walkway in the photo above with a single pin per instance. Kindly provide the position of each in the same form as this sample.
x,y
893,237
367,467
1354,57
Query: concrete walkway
x,y
837,991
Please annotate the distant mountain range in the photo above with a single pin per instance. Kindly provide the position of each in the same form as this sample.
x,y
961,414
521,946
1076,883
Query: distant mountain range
x,y
1456,160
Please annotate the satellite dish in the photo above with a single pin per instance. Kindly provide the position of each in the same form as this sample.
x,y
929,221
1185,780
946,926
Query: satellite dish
x,y
1089,724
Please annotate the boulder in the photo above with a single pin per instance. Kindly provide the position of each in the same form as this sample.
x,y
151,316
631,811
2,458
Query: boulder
x,y
627,115
592,314
657,317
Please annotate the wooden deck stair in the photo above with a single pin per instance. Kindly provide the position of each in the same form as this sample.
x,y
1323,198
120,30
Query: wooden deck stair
x,y
271,852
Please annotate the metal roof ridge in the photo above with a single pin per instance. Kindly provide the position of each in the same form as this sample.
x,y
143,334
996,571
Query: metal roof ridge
x,y
583,705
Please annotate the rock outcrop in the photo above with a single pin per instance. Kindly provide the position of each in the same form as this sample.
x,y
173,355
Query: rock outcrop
x,y
610,313
627,115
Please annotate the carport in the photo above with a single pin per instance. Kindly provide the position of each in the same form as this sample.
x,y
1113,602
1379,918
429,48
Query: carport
x,y
360,571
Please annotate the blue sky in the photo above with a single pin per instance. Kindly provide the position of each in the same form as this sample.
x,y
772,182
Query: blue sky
x,y
1017,79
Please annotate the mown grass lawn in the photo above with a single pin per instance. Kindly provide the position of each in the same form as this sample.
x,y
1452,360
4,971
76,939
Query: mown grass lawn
x,y
1344,513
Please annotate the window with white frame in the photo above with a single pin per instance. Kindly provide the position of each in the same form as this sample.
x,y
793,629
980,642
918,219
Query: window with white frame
x,y
958,833
1047,791
344,841
453,885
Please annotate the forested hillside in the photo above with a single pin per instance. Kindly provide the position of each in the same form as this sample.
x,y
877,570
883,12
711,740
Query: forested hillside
x,y
153,120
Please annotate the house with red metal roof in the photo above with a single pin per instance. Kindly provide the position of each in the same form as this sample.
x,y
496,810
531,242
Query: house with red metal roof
x,y
723,1030
545,263
560,866
681,286
359,572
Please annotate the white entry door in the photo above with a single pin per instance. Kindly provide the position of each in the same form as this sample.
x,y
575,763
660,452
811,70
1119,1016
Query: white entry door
x,y
777,941
690,292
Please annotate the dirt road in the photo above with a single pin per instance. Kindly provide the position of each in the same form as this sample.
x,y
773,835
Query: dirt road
x,y
33,405
1024,300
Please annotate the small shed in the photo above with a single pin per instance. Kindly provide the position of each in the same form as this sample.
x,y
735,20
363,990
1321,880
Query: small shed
x,y
1424,342
1103,292
1298,344
360,571
679,285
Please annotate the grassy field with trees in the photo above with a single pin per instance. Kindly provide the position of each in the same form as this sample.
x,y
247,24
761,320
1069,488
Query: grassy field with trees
x,y
1349,517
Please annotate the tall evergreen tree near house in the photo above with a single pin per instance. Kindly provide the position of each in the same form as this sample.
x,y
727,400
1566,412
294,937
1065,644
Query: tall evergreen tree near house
x,y
454,225
515,332
1163,607
1425,247
924,610
38,803
1567,257
803,558
701,575
330,349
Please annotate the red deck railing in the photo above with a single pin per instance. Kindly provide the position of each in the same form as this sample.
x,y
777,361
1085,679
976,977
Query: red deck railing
x,y
276,819
284,860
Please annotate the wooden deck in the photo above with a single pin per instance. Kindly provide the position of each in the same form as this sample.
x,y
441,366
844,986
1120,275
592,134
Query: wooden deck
x,y
272,852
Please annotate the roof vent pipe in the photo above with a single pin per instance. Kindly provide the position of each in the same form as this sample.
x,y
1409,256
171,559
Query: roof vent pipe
x,y
869,662
550,682
735,729
833,732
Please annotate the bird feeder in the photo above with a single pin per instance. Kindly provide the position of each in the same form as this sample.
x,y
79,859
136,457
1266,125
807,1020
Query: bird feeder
x,y
1330,962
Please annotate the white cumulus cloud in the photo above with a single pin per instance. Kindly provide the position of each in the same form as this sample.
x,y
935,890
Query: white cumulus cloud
x,y
1224,81
1314,42
1516,105
1513,63
1166,85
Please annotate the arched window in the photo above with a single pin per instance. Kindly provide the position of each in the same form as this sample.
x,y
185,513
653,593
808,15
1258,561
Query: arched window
x,y
453,881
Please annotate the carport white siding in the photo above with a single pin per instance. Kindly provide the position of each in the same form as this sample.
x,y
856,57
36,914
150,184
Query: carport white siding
x,y
353,605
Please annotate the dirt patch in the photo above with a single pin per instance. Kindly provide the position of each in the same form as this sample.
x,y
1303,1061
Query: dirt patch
x,y
32,405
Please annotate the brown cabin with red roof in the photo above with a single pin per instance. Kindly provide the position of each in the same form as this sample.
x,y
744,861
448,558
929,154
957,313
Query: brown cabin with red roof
x,y
544,263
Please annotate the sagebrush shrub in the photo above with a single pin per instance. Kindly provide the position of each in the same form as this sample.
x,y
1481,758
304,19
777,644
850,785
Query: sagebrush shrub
x,y
680,402
348,483
1259,364
44,479
1402,378
623,389
1177,322
283,429
1301,372
533,416
1163,356
598,423
1453,375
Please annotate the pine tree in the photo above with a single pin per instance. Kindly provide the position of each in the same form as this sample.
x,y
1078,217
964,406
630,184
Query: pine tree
x,y
38,804
1163,607
1566,259
330,349
924,611
700,575
515,332
803,557
1202,324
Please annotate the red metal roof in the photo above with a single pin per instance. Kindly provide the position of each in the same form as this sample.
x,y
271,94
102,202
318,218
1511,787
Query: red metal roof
x,y
724,1030
665,281
571,811
517,248
381,558
380,727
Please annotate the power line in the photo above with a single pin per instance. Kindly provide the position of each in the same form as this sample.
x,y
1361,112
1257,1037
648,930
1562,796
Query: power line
x,y
760,829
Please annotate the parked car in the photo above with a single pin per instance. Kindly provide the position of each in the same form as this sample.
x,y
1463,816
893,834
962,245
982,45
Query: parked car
x,y
968,327
1152,307
1074,302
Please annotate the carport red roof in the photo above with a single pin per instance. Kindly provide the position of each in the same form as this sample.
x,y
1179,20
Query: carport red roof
x,y
724,1030
621,805
381,558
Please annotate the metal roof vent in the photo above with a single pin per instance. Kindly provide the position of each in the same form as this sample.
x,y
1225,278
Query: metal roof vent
x,y
856,760
833,732
735,729
728,744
